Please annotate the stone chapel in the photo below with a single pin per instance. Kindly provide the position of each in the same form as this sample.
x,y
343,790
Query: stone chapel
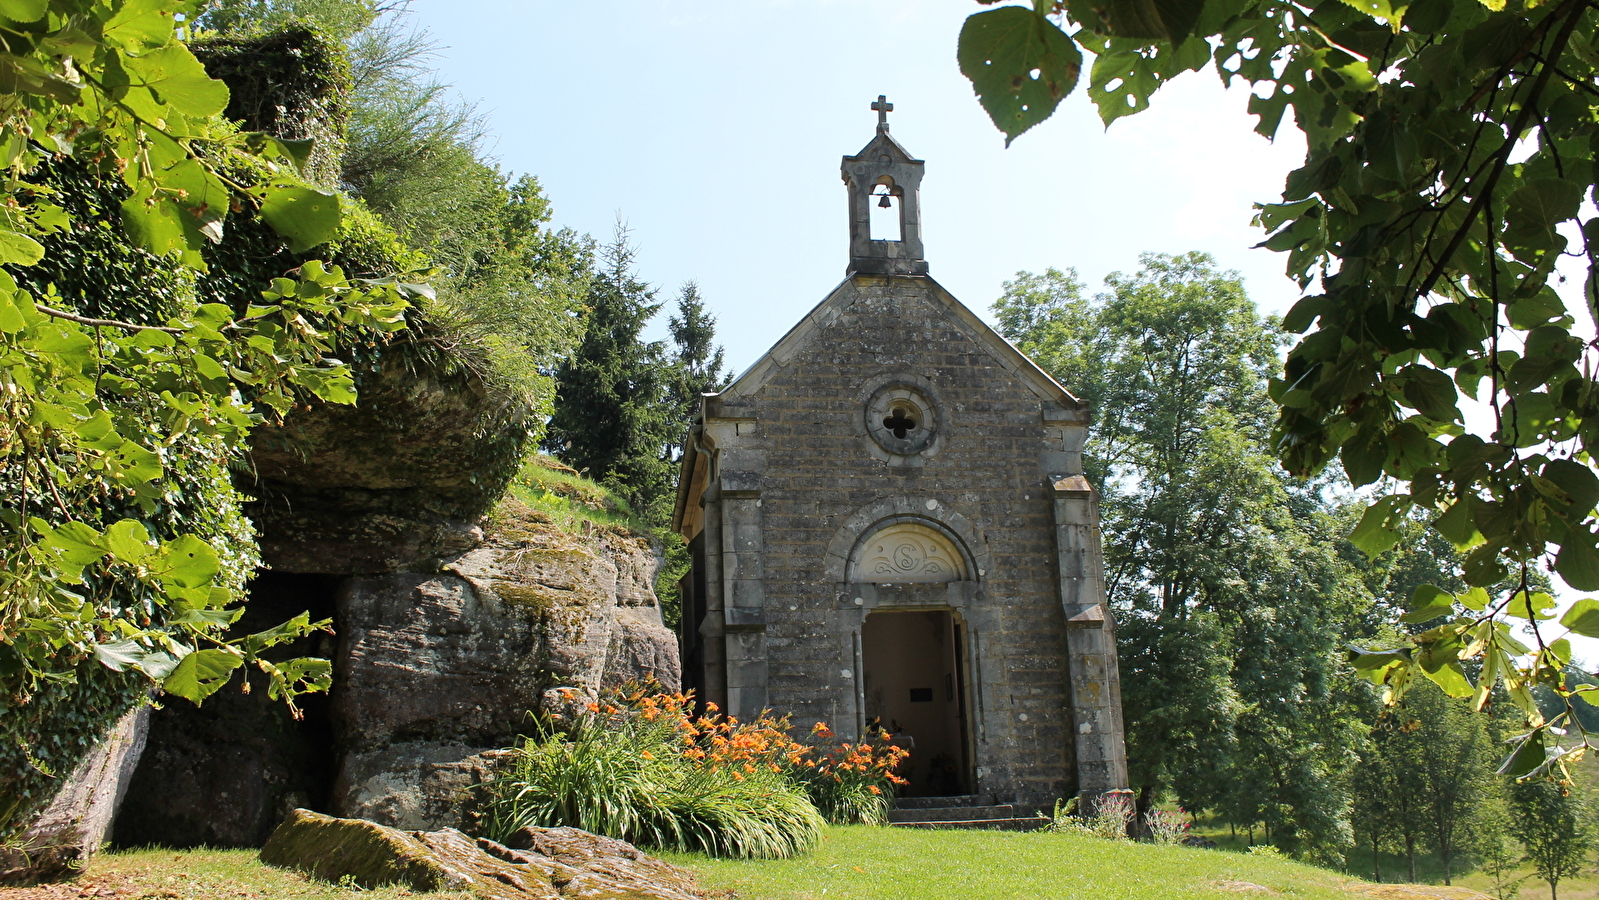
x,y
890,527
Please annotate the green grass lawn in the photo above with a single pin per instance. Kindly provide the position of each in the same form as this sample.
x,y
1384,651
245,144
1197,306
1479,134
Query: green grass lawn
x,y
156,874
853,863
864,863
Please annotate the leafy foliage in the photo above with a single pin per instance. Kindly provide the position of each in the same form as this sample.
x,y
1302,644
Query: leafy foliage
x,y
1554,826
131,371
1231,600
1450,149
1426,778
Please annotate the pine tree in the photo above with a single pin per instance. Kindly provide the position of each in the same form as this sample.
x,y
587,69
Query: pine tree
x,y
611,417
697,366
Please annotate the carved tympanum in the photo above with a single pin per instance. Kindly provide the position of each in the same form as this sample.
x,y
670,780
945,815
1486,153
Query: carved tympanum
x,y
907,553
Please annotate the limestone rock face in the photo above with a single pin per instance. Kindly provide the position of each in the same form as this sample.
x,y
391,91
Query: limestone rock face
x,y
544,864
433,672
79,817
418,785
391,484
431,669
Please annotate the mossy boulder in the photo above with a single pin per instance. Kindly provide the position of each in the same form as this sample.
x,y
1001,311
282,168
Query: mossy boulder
x,y
542,864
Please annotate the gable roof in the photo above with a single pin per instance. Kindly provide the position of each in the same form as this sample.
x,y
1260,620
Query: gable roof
x,y
882,142
843,296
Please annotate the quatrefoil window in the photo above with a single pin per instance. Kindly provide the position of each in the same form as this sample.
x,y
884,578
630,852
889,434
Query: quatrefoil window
x,y
900,422
902,419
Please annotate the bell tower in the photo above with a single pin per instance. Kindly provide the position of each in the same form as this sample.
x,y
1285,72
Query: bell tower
x,y
885,174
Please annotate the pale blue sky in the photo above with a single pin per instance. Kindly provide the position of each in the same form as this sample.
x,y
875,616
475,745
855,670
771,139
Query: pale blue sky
x,y
715,129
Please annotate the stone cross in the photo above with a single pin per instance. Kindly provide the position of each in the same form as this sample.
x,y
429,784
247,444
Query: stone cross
x,y
883,108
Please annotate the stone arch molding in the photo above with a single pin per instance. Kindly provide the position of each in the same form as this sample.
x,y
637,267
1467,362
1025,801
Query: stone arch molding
x,y
926,518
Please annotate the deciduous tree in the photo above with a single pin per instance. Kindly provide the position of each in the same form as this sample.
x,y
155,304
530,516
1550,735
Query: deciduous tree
x,y
1450,149
1230,598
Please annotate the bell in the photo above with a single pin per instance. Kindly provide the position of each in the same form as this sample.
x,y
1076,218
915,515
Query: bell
x,y
885,203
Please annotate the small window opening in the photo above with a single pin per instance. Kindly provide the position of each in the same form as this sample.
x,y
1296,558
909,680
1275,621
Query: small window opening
x,y
885,215
900,422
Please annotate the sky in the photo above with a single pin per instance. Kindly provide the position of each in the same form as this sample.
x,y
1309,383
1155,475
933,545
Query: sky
x,y
714,130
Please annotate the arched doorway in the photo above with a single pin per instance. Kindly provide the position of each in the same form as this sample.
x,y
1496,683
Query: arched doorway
x,y
913,660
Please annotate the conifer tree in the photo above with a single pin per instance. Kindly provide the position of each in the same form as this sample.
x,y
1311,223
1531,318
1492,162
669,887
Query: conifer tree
x,y
611,416
697,366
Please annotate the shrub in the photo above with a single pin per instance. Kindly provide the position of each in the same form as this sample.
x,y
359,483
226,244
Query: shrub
x,y
642,767
1167,827
646,772
850,783
1111,816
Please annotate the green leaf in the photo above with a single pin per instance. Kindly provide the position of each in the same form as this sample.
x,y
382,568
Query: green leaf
x,y
154,224
187,562
1578,562
1458,525
304,216
11,320
128,541
1583,617
1169,20
1451,679
1528,757
1536,208
1578,482
131,464
1373,535
1428,602
297,627
1378,8
119,656
178,79
24,10
201,674
1530,606
140,24
17,249
1430,392
1020,64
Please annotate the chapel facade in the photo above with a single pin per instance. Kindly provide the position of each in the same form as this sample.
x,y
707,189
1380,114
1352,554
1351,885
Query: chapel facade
x,y
890,528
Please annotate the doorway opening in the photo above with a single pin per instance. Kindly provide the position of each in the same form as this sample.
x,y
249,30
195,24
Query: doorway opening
x,y
915,688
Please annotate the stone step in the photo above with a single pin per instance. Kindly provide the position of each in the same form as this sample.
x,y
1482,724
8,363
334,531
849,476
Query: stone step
x,y
934,802
951,813
1026,823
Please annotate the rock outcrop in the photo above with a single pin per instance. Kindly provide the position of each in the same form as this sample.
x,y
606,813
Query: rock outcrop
x,y
538,864
434,673
79,817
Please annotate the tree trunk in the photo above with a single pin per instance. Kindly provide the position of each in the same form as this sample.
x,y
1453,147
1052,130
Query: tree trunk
x,y
1552,894
1376,860
1446,852
1139,826
1410,855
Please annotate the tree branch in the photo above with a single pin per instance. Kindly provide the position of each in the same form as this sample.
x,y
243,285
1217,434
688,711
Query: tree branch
x,y
106,323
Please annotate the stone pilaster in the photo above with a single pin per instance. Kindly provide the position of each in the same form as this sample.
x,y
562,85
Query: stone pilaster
x,y
740,467
1095,690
